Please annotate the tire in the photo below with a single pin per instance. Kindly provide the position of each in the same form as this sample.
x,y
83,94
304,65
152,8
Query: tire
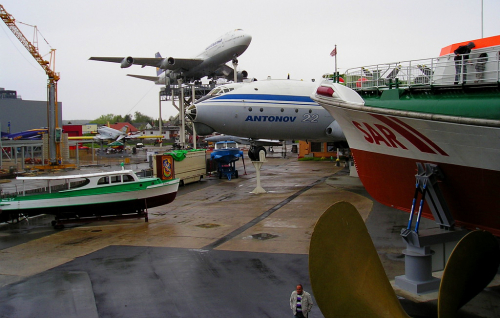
x,y
253,153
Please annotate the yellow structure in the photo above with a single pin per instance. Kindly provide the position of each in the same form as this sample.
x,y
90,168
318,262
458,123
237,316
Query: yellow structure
x,y
317,149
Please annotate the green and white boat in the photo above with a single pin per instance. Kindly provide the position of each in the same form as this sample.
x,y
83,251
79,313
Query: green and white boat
x,y
91,195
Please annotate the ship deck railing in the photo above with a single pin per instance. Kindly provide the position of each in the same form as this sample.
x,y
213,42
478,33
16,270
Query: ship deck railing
x,y
430,72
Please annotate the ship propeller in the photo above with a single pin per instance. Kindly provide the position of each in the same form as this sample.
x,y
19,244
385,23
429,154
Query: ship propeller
x,y
348,279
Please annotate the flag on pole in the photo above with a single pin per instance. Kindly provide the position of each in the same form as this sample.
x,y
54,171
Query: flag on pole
x,y
334,52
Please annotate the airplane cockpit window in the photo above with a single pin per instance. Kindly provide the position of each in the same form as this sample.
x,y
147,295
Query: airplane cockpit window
x,y
215,92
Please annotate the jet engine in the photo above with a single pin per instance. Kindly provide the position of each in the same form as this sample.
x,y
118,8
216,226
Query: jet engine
x,y
242,75
167,62
127,62
334,131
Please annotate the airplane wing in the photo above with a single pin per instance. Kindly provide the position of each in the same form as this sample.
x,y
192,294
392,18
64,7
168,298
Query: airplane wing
x,y
172,64
147,78
81,138
150,61
224,70
145,137
245,141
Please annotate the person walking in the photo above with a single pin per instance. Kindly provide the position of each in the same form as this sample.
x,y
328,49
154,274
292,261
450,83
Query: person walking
x,y
300,302
461,60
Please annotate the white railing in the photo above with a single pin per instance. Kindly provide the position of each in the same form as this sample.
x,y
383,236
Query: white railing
x,y
439,71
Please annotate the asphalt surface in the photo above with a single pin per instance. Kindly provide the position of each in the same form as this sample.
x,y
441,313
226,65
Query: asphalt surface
x,y
216,251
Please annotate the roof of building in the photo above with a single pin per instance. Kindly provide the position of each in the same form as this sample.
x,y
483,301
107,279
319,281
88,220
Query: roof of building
x,y
119,126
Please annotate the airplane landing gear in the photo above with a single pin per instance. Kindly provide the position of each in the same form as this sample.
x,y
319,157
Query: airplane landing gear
x,y
253,152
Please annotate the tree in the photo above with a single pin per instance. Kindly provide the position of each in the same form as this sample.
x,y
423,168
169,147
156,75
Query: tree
x,y
127,119
138,117
109,118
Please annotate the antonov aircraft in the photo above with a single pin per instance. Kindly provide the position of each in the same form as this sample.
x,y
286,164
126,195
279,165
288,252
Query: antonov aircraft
x,y
269,109
211,62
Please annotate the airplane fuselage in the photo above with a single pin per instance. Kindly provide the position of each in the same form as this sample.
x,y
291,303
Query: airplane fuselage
x,y
229,46
270,109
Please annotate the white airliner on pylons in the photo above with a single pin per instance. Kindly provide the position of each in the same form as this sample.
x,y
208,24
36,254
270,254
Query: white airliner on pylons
x,y
211,62
269,109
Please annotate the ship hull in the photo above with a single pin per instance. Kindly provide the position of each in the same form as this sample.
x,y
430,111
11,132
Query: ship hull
x,y
387,145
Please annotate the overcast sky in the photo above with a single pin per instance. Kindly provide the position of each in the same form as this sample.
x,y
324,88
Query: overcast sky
x,y
289,36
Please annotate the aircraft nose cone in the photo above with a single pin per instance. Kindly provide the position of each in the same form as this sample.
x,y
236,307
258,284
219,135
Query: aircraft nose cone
x,y
191,113
247,39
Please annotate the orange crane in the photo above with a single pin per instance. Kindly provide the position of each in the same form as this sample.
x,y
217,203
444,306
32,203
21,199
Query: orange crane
x,y
52,107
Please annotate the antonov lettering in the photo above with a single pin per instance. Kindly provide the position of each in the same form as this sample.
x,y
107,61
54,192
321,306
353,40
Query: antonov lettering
x,y
284,119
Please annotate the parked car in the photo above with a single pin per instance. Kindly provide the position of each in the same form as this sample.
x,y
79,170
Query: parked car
x,y
139,145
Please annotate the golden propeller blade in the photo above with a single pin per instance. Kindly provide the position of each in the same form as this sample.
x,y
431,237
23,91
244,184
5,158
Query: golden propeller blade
x,y
347,277
471,267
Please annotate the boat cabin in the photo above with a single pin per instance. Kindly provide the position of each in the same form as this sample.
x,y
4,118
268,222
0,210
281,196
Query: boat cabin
x,y
225,145
85,181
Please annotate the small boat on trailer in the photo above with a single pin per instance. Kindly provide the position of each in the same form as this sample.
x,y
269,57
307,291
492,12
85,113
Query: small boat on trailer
x,y
114,194
226,153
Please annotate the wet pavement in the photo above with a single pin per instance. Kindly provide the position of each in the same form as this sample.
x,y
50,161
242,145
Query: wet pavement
x,y
216,251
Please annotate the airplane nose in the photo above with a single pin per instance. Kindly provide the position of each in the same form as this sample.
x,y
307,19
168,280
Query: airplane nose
x,y
191,112
247,39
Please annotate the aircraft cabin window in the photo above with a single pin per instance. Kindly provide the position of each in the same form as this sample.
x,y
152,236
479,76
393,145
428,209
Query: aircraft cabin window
x,y
296,110
310,111
282,110
249,109
261,110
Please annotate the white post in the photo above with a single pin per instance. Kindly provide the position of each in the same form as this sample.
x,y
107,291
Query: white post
x,y
181,114
235,66
258,165
160,124
192,124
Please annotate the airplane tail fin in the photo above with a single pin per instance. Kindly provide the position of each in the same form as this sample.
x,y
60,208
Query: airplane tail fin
x,y
158,70
124,129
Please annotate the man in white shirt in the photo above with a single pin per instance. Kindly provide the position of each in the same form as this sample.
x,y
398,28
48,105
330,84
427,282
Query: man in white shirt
x,y
300,302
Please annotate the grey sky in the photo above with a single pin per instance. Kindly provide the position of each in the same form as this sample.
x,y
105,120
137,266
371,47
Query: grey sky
x,y
291,36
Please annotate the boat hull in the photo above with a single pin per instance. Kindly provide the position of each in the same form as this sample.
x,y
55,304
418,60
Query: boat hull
x,y
106,203
387,146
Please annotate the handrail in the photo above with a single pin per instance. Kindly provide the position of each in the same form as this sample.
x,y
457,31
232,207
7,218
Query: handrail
x,y
438,71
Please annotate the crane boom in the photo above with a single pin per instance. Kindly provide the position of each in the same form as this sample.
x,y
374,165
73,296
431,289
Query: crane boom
x,y
11,24
52,107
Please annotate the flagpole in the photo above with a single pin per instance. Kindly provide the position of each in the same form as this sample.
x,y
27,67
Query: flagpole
x,y
335,74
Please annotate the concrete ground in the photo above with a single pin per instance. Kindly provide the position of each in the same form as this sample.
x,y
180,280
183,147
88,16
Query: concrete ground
x,y
216,251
